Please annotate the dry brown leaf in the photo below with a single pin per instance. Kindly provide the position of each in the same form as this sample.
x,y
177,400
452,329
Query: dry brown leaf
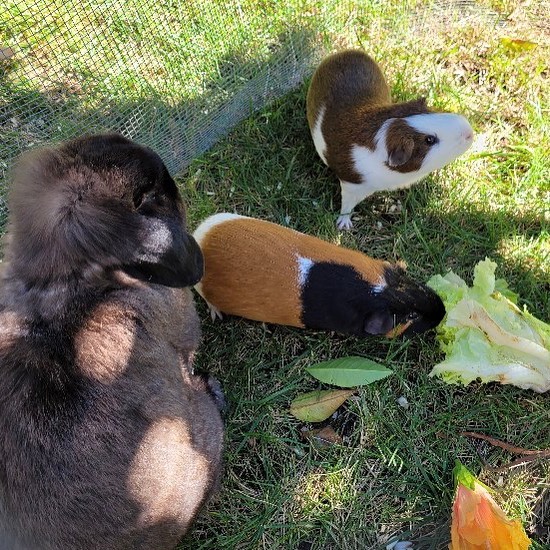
x,y
323,437
318,405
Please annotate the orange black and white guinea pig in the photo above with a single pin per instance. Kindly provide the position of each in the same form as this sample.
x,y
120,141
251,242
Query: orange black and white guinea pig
x,y
265,272
369,142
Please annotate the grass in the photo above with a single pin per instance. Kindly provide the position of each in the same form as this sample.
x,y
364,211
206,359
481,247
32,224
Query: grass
x,y
175,75
391,477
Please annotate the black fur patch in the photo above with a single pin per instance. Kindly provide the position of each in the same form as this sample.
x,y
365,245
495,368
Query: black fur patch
x,y
411,300
335,297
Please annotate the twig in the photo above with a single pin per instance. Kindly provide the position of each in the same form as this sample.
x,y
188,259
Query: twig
x,y
517,462
506,446
527,455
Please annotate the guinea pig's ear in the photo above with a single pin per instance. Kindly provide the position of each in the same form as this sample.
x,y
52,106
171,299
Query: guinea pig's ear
x,y
399,142
167,255
400,151
379,322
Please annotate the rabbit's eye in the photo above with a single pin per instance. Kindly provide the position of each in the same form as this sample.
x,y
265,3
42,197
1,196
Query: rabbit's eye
x,y
142,193
138,200
431,140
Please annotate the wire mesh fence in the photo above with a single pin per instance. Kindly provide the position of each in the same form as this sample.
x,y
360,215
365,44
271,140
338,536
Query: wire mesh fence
x,y
174,74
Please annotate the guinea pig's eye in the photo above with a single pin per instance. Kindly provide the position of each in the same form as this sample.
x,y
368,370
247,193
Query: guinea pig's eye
x,y
412,316
431,140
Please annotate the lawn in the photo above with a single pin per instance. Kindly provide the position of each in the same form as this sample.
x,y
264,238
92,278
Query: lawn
x,y
391,478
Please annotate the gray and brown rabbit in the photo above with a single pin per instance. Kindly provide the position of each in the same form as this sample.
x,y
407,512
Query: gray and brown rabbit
x,y
108,440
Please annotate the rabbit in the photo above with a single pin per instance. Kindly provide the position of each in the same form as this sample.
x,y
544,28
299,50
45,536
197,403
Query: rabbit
x,y
369,142
108,439
266,272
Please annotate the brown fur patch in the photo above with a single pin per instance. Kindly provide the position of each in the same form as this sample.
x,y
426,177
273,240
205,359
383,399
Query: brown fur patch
x,y
406,147
252,270
346,79
362,132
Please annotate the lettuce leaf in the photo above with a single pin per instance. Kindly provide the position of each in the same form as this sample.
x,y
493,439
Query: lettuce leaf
x,y
486,336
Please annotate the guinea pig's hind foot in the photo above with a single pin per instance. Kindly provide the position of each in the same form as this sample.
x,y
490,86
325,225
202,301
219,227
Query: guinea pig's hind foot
x,y
344,222
215,313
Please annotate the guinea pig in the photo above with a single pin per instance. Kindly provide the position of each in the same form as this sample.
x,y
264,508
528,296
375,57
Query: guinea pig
x,y
108,440
265,272
369,142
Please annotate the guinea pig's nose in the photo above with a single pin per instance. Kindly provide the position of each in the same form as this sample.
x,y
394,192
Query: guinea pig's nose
x,y
465,131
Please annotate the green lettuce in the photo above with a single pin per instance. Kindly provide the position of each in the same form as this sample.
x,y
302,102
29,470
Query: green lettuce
x,y
486,336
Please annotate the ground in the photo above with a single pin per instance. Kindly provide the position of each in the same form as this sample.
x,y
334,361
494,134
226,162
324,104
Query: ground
x,y
391,477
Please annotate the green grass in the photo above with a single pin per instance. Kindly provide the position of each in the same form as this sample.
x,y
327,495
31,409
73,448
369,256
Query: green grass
x,y
172,74
392,476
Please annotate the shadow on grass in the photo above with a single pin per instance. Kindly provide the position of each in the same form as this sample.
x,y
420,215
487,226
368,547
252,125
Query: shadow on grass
x,y
457,240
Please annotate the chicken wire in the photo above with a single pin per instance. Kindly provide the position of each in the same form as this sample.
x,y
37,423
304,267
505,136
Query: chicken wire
x,y
175,75
172,75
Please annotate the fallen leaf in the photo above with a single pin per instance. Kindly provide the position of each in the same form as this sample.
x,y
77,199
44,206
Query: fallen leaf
x,y
324,437
348,372
517,45
318,405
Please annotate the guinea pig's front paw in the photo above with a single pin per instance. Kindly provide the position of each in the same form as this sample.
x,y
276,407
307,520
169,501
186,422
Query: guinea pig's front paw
x,y
344,222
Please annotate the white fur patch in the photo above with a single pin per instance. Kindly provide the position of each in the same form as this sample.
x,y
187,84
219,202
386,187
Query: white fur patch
x,y
304,266
161,236
371,165
206,225
352,194
317,135
379,286
454,133
455,137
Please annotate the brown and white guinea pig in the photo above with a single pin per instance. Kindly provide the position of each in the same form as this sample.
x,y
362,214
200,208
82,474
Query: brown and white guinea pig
x,y
369,142
265,272
108,440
